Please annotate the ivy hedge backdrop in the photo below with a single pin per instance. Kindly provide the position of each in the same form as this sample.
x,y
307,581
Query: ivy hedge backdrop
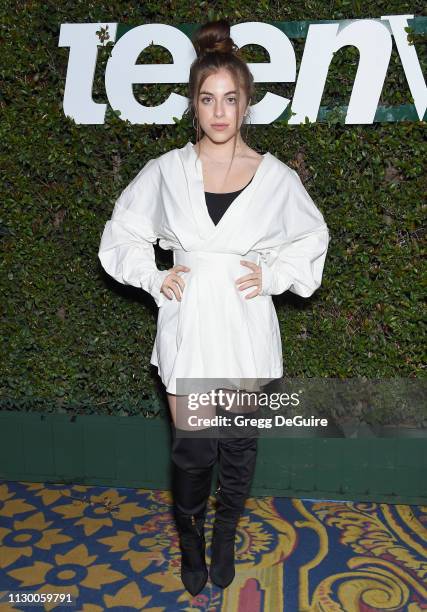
x,y
73,339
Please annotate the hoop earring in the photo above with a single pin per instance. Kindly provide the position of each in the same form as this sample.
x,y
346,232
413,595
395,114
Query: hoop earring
x,y
193,123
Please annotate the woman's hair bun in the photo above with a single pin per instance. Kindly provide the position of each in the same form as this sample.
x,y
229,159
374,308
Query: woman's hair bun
x,y
214,36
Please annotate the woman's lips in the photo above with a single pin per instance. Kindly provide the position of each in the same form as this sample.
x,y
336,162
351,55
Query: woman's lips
x,y
219,126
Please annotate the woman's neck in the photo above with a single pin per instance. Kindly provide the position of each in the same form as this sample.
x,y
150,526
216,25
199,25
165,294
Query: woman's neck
x,y
220,153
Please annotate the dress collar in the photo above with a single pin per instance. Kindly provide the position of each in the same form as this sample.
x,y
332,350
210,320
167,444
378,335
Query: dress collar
x,y
196,192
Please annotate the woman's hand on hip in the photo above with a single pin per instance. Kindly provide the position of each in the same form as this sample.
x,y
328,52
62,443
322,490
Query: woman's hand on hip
x,y
253,279
173,281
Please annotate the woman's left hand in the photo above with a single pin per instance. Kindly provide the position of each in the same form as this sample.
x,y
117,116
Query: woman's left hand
x,y
253,279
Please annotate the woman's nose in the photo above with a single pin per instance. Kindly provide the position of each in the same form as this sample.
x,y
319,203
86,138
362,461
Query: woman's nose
x,y
219,111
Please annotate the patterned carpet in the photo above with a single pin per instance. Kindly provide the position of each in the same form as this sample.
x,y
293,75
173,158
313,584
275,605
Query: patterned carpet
x,y
117,549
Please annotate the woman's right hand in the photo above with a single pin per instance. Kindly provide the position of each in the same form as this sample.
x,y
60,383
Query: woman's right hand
x,y
173,281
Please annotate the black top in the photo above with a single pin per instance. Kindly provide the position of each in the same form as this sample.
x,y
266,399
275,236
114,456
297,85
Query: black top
x,y
217,203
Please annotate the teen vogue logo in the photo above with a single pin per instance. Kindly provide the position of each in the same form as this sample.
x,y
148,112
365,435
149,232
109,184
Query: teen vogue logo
x,y
372,37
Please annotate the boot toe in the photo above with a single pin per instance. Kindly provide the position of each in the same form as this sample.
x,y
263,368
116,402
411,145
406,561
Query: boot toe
x,y
194,580
222,578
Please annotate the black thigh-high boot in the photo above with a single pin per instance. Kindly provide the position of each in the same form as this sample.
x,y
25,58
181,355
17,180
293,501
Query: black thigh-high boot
x,y
236,462
193,460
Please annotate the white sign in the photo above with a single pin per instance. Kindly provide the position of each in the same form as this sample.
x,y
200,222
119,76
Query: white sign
x,y
372,38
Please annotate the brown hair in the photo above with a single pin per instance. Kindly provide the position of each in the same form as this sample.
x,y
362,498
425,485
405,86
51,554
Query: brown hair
x,y
215,50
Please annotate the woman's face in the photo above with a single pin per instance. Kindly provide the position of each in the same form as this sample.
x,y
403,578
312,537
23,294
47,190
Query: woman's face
x,y
217,106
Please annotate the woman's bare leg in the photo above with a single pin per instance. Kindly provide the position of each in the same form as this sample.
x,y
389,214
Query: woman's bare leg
x,y
180,412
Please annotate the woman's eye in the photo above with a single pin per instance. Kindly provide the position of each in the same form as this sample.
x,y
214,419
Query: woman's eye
x,y
205,100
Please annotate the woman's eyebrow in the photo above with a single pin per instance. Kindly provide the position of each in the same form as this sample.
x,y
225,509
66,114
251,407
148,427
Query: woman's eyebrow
x,y
211,94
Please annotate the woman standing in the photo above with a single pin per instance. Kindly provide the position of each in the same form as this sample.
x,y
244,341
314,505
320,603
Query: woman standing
x,y
235,220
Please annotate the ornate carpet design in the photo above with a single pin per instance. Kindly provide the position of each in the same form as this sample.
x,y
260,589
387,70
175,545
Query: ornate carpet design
x,y
117,549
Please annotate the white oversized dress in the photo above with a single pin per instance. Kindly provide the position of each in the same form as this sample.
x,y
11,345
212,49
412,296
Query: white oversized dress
x,y
214,332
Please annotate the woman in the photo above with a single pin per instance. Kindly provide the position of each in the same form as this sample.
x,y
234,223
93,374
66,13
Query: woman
x,y
235,220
